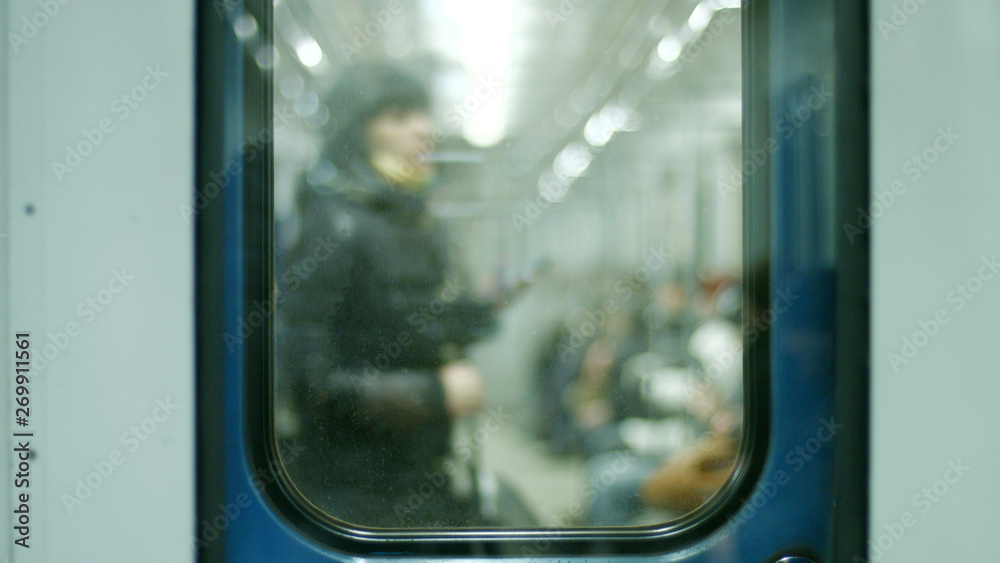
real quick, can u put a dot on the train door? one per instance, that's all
(797, 488)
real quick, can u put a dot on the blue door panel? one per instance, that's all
(789, 512)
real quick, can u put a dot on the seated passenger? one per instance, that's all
(683, 479)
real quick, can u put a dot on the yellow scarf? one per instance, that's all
(400, 172)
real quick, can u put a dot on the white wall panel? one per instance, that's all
(936, 68)
(118, 351)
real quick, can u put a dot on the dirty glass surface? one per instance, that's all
(507, 258)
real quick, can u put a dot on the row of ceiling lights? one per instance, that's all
(572, 161)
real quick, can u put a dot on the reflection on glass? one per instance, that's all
(508, 256)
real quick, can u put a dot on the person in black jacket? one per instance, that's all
(372, 325)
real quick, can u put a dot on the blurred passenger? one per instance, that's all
(685, 475)
(669, 322)
(557, 369)
(375, 326)
(717, 346)
(598, 399)
(578, 379)
(686, 480)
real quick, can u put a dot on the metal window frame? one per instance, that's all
(234, 241)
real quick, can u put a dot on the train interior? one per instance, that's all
(588, 169)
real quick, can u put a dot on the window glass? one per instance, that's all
(508, 248)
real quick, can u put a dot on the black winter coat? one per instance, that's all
(367, 316)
